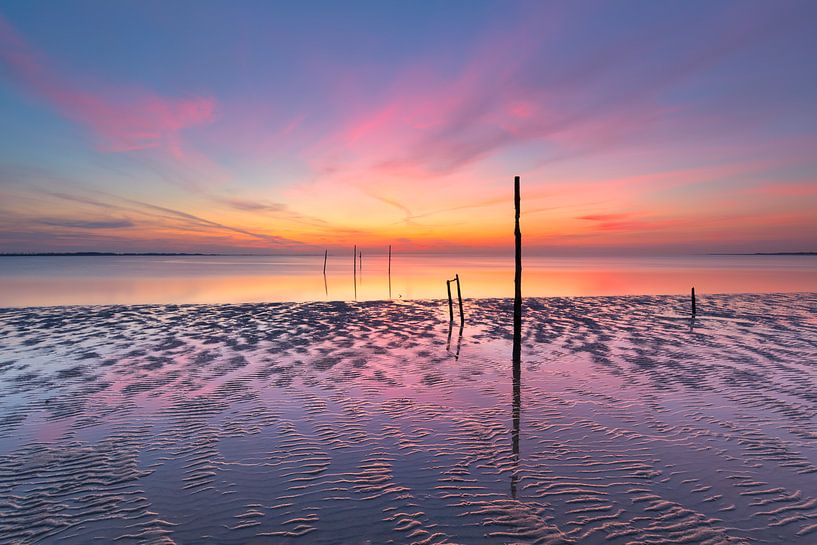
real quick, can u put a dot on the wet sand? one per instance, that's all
(357, 423)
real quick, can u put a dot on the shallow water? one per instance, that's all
(355, 423)
(105, 280)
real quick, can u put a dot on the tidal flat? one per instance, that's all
(380, 422)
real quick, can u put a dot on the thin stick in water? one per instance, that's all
(459, 296)
(354, 269)
(694, 310)
(450, 302)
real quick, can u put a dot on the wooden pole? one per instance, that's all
(459, 297)
(450, 302)
(517, 278)
(389, 271)
(517, 339)
(325, 256)
(354, 269)
(694, 310)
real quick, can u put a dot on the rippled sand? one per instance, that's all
(365, 423)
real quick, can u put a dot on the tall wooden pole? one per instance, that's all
(389, 271)
(517, 278)
(325, 256)
(517, 339)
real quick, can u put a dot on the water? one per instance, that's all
(48, 281)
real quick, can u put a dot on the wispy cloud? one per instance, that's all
(122, 119)
(255, 206)
(181, 219)
(88, 224)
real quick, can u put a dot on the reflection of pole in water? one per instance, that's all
(459, 340)
(516, 414)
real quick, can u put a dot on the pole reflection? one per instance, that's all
(516, 412)
(459, 340)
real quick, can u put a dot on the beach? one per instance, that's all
(380, 422)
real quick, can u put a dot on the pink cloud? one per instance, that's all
(128, 119)
(805, 189)
(432, 120)
(629, 222)
(604, 217)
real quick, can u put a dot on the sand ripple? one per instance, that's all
(339, 423)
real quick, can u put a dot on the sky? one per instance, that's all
(637, 127)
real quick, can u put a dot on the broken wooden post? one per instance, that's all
(450, 302)
(694, 310)
(459, 297)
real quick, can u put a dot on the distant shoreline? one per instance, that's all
(774, 253)
(111, 254)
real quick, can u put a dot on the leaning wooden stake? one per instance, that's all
(325, 256)
(694, 310)
(517, 278)
(459, 297)
(450, 302)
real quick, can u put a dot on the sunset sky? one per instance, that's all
(267, 127)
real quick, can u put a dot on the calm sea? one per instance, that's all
(48, 281)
